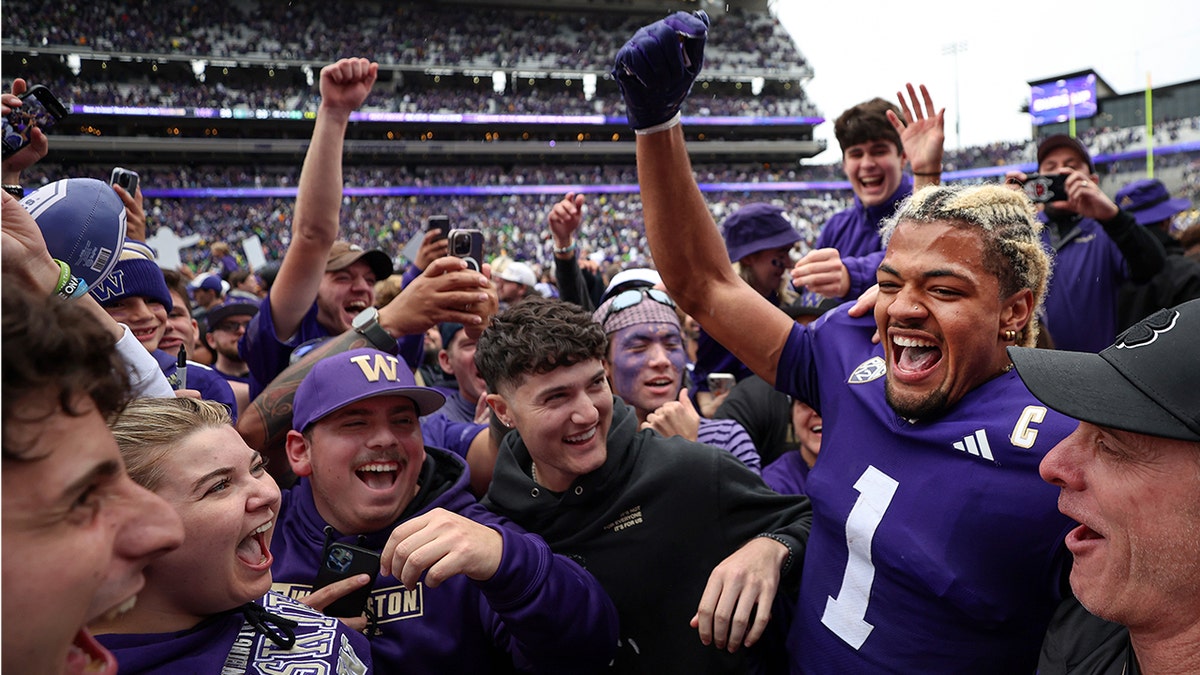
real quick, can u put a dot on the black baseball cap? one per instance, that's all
(1146, 382)
(1064, 141)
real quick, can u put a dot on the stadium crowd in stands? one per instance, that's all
(575, 581)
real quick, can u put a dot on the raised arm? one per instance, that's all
(655, 70)
(344, 87)
(922, 132)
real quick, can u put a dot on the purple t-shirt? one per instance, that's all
(788, 474)
(935, 545)
(267, 356)
(730, 435)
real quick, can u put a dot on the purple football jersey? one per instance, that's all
(936, 546)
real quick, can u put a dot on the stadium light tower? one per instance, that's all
(954, 49)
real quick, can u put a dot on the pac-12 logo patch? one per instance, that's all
(869, 370)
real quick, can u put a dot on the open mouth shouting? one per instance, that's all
(87, 656)
(379, 475)
(254, 550)
(914, 358)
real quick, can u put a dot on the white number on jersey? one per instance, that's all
(844, 615)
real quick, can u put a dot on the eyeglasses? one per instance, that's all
(632, 298)
(231, 326)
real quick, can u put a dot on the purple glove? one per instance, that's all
(658, 65)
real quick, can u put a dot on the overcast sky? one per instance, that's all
(1006, 45)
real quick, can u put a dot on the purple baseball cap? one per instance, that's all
(757, 227)
(339, 380)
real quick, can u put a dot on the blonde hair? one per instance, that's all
(149, 428)
(1009, 228)
(387, 289)
(786, 295)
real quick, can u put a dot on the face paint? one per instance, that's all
(647, 365)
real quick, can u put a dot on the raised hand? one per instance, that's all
(922, 132)
(565, 218)
(445, 291)
(657, 66)
(38, 146)
(346, 84)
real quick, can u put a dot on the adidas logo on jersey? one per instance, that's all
(869, 370)
(976, 444)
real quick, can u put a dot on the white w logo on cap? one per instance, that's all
(374, 366)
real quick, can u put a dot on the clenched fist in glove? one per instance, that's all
(657, 67)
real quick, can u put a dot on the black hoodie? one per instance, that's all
(651, 524)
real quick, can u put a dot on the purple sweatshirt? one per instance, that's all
(227, 644)
(540, 611)
(267, 355)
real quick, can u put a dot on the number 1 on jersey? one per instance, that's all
(845, 614)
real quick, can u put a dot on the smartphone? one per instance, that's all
(720, 383)
(39, 108)
(439, 223)
(1042, 188)
(468, 245)
(125, 178)
(342, 561)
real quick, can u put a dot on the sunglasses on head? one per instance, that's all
(632, 298)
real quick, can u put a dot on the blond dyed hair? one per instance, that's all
(1008, 226)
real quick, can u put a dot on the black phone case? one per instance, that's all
(342, 561)
(439, 223)
(15, 141)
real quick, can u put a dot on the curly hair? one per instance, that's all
(53, 347)
(1009, 228)
(536, 335)
(149, 428)
(867, 122)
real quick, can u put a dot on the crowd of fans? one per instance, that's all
(515, 223)
(409, 33)
(182, 90)
(657, 278)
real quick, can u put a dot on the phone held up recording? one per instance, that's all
(39, 108)
(720, 383)
(440, 224)
(468, 245)
(1044, 188)
(126, 178)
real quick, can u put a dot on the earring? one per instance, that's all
(1010, 335)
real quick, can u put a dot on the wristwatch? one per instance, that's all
(366, 323)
